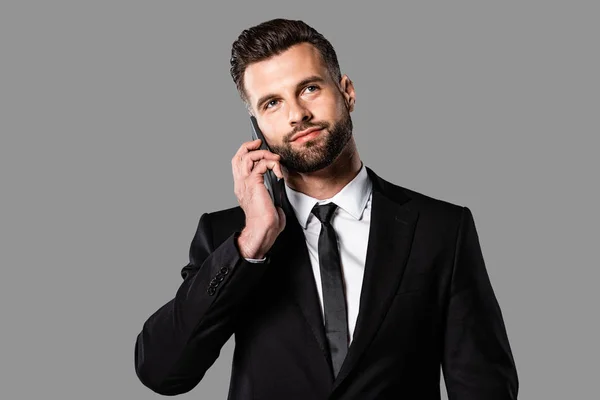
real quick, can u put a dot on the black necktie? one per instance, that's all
(336, 319)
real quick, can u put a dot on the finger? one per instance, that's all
(263, 165)
(237, 161)
(256, 155)
(249, 160)
(278, 170)
(282, 219)
(275, 167)
(248, 146)
(244, 149)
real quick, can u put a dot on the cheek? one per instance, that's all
(327, 108)
(278, 128)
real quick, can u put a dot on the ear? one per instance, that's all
(347, 90)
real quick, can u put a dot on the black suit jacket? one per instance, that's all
(426, 302)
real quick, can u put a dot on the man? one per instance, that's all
(354, 289)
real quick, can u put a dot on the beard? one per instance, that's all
(314, 155)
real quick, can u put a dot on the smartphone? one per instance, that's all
(270, 178)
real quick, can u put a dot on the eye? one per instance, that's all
(270, 104)
(313, 87)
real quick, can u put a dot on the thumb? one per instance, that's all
(282, 220)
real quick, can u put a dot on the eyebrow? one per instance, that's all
(311, 79)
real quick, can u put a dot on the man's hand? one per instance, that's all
(264, 222)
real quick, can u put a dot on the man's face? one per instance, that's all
(292, 92)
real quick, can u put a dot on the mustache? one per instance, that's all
(323, 125)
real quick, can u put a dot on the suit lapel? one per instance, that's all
(290, 250)
(390, 239)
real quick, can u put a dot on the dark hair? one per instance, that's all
(271, 38)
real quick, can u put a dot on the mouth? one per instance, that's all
(306, 135)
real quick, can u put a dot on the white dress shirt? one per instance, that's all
(351, 222)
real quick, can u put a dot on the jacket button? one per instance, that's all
(219, 278)
(213, 283)
(224, 270)
(211, 291)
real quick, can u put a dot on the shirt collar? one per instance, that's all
(352, 198)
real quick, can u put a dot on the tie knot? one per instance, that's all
(324, 212)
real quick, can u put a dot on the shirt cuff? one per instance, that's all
(256, 260)
(252, 260)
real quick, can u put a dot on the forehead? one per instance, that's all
(283, 71)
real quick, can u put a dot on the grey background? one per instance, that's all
(119, 121)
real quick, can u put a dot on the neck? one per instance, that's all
(327, 182)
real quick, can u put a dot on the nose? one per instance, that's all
(298, 114)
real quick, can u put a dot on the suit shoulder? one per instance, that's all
(438, 217)
(434, 204)
(226, 214)
(226, 221)
(427, 205)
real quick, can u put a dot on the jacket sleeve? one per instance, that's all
(183, 338)
(477, 360)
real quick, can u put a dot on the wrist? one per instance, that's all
(251, 244)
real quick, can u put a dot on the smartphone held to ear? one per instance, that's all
(270, 178)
